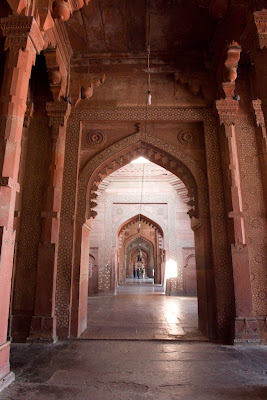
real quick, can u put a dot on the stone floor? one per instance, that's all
(150, 366)
(136, 370)
(142, 312)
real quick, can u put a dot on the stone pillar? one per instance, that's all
(43, 324)
(23, 41)
(228, 109)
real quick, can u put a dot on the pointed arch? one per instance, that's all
(136, 219)
(155, 150)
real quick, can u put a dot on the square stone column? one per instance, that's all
(43, 325)
(245, 324)
(23, 41)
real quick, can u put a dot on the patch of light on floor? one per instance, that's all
(140, 160)
(171, 311)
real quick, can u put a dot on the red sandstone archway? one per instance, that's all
(108, 161)
(143, 218)
(135, 237)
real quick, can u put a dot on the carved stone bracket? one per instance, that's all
(83, 85)
(22, 33)
(199, 83)
(227, 110)
(260, 19)
(58, 112)
(44, 11)
(256, 105)
(254, 37)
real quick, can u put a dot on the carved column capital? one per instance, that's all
(256, 105)
(227, 110)
(260, 19)
(58, 112)
(22, 32)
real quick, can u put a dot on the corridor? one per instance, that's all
(140, 311)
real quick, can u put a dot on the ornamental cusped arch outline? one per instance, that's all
(147, 215)
(133, 238)
(135, 219)
(154, 149)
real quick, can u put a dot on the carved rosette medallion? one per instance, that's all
(185, 137)
(95, 138)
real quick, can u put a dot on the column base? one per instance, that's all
(20, 327)
(43, 330)
(6, 381)
(246, 330)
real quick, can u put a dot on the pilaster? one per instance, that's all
(23, 40)
(228, 110)
(43, 325)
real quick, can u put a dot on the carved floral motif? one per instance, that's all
(95, 137)
(185, 137)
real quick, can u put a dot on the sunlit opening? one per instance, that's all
(171, 269)
(140, 160)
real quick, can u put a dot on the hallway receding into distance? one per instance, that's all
(133, 199)
(140, 209)
(140, 311)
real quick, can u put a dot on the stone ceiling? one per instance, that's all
(120, 26)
